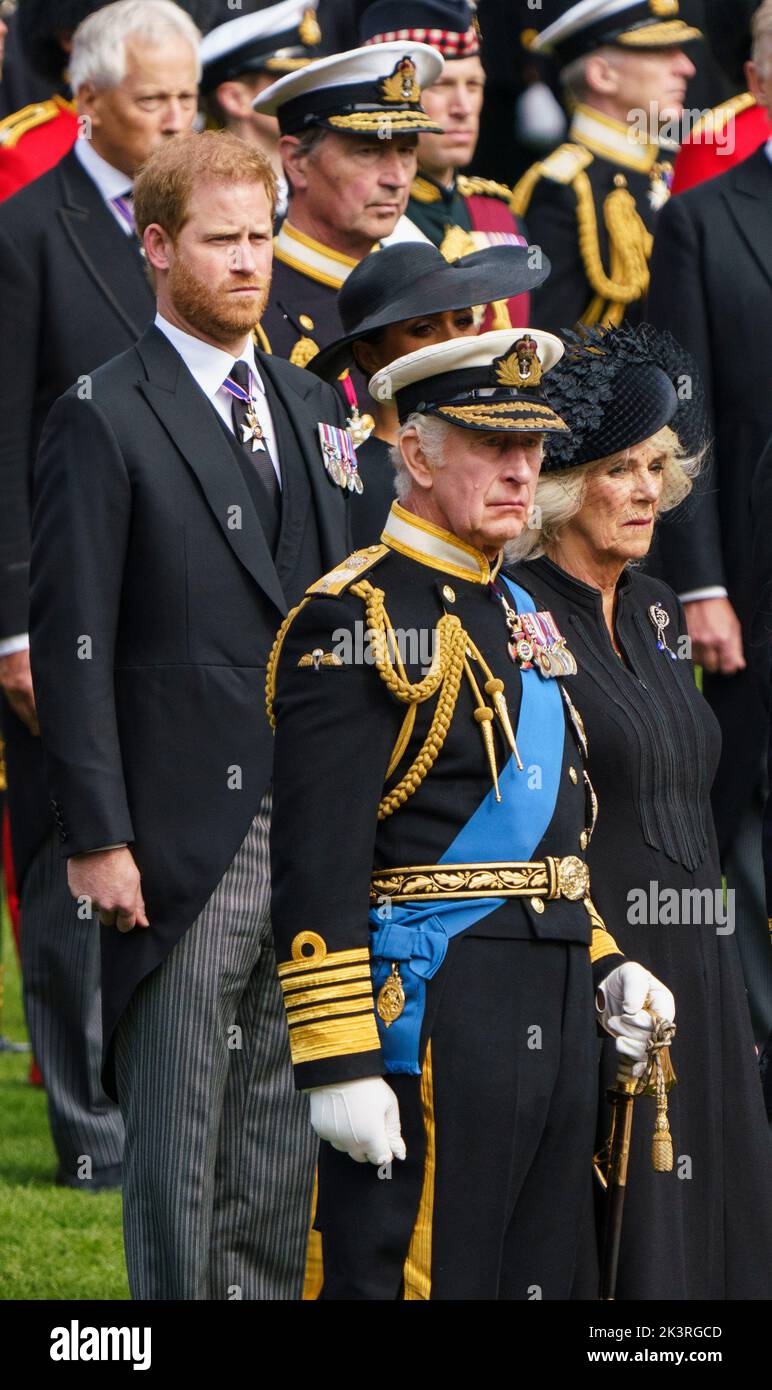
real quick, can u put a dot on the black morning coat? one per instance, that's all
(711, 285)
(147, 548)
(73, 293)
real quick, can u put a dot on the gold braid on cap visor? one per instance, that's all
(520, 415)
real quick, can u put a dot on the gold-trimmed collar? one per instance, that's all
(312, 258)
(440, 550)
(612, 139)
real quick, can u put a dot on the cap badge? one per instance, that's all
(522, 367)
(663, 8)
(310, 33)
(402, 84)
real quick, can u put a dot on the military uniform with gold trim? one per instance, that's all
(33, 140)
(592, 204)
(470, 215)
(302, 313)
(480, 935)
(372, 94)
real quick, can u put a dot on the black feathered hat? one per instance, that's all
(616, 387)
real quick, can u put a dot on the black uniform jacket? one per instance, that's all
(154, 604)
(337, 725)
(592, 205)
(302, 316)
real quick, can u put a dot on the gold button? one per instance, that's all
(306, 322)
(448, 594)
(537, 904)
(372, 549)
(584, 839)
(572, 775)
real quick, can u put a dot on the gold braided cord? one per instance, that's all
(444, 675)
(630, 244)
(273, 661)
(523, 189)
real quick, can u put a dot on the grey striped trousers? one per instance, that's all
(60, 975)
(219, 1156)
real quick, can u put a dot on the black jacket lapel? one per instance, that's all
(112, 259)
(750, 204)
(295, 488)
(328, 499)
(193, 427)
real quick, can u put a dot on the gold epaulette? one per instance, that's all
(720, 116)
(29, 118)
(334, 582)
(423, 191)
(489, 188)
(353, 567)
(562, 166)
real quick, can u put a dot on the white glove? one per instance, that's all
(620, 1000)
(360, 1118)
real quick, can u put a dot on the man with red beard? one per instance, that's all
(74, 292)
(182, 509)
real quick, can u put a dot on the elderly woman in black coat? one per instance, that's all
(703, 1230)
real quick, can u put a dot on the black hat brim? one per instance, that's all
(497, 272)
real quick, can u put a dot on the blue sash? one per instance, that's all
(417, 934)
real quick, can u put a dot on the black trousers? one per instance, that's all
(493, 1200)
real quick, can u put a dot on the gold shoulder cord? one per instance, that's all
(273, 661)
(631, 246)
(523, 190)
(452, 656)
(444, 675)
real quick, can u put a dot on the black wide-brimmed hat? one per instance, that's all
(616, 387)
(413, 278)
(492, 382)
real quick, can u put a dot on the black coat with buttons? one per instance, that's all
(336, 729)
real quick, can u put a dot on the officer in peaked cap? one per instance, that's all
(348, 127)
(592, 203)
(406, 297)
(244, 56)
(448, 1041)
(458, 213)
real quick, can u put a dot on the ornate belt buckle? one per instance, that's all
(573, 878)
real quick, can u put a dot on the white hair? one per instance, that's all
(573, 77)
(99, 43)
(432, 434)
(761, 29)
(560, 496)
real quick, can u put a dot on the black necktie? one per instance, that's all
(244, 430)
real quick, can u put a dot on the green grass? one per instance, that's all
(54, 1243)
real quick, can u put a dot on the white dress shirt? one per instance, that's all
(209, 366)
(110, 182)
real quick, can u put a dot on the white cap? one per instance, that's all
(491, 382)
(357, 91)
(281, 38)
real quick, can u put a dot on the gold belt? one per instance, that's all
(541, 878)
